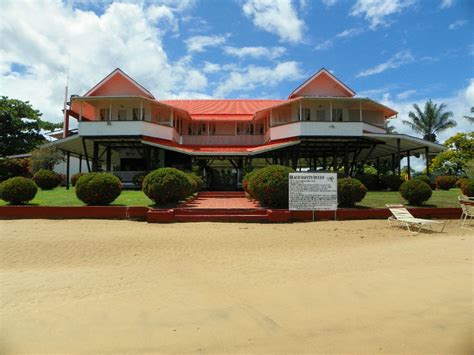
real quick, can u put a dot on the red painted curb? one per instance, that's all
(169, 215)
(73, 212)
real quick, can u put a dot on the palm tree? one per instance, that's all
(470, 118)
(433, 120)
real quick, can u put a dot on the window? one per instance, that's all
(104, 114)
(321, 115)
(122, 115)
(337, 114)
(136, 114)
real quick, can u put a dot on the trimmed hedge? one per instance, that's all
(246, 182)
(370, 181)
(18, 190)
(426, 179)
(415, 191)
(98, 189)
(47, 179)
(269, 186)
(76, 177)
(137, 179)
(445, 182)
(14, 167)
(467, 187)
(196, 182)
(166, 185)
(350, 191)
(393, 182)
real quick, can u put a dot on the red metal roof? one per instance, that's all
(214, 110)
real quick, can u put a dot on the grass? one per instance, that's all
(62, 197)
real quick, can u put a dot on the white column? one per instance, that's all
(110, 111)
(171, 118)
(80, 112)
(271, 118)
(141, 111)
(330, 110)
(300, 118)
(360, 110)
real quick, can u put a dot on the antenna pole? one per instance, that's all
(66, 115)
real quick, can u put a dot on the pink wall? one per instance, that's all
(323, 85)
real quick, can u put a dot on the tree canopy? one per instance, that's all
(457, 157)
(431, 121)
(21, 126)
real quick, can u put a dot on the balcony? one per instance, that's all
(125, 128)
(212, 140)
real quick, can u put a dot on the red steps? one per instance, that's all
(220, 215)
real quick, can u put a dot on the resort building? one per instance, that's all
(322, 125)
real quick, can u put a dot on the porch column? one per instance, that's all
(95, 157)
(68, 163)
(271, 118)
(110, 111)
(427, 154)
(360, 110)
(108, 159)
(330, 110)
(141, 111)
(398, 157)
(334, 160)
(408, 165)
(80, 112)
(171, 118)
(300, 118)
(80, 163)
(393, 164)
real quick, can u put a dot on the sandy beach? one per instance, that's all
(96, 286)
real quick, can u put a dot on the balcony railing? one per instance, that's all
(222, 140)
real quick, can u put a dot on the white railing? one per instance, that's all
(222, 140)
(125, 128)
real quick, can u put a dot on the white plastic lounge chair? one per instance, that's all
(402, 216)
(467, 206)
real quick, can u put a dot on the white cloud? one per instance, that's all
(446, 4)
(211, 67)
(377, 11)
(276, 16)
(41, 38)
(400, 58)
(253, 77)
(329, 2)
(324, 45)
(255, 52)
(347, 33)
(162, 14)
(405, 94)
(456, 24)
(459, 103)
(200, 43)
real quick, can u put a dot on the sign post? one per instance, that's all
(313, 192)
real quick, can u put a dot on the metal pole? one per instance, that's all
(399, 157)
(427, 153)
(80, 163)
(408, 164)
(68, 161)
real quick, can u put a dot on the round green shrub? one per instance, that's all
(467, 187)
(137, 179)
(393, 182)
(196, 182)
(415, 191)
(18, 190)
(98, 189)
(47, 179)
(76, 177)
(166, 185)
(350, 191)
(426, 179)
(370, 181)
(460, 182)
(246, 182)
(445, 182)
(269, 186)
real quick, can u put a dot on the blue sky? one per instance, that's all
(399, 52)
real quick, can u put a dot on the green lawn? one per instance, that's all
(62, 197)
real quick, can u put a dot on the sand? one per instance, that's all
(94, 286)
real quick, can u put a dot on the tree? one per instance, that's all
(433, 120)
(20, 127)
(470, 118)
(45, 158)
(458, 156)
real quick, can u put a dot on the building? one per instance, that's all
(322, 125)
